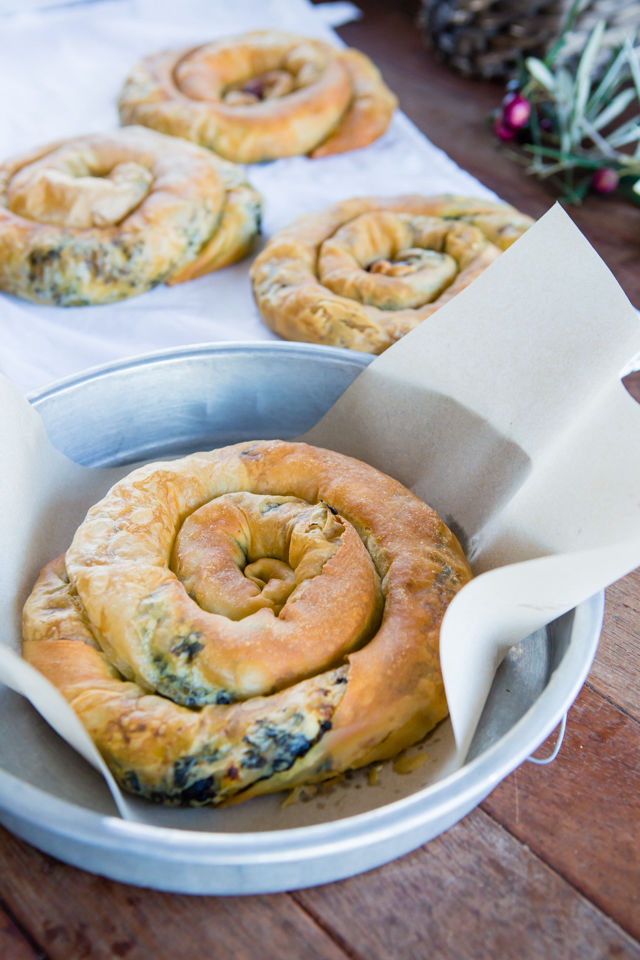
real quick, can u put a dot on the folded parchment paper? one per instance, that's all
(504, 411)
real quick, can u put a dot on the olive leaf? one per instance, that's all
(585, 116)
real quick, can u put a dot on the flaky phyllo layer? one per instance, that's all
(252, 618)
(261, 95)
(364, 272)
(103, 217)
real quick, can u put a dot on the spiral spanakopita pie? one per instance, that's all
(364, 272)
(248, 619)
(261, 95)
(102, 217)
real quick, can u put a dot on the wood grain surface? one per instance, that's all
(475, 891)
(548, 865)
(13, 943)
(588, 827)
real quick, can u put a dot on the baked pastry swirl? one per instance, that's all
(261, 95)
(102, 217)
(244, 620)
(364, 272)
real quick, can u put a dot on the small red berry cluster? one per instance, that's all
(514, 118)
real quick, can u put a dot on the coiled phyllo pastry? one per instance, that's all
(261, 95)
(244, 620)
(364, 272)
(102, 217)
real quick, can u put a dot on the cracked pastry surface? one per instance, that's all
(364, 272)
(99, 218)
(248, 619)
(261, 95)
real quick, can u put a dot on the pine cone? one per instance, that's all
(488, 38)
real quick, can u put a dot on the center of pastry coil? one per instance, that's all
(395, 261)
(74, 193)
(259, 592)
(247, 74)
(267, 86)
(244, 552)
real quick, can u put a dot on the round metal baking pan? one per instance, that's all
(173, 402)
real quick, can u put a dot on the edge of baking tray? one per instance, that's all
(195, 862)
(188, 861)
(170, 354)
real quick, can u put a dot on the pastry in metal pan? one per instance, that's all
(244, 620)
(98, 218)
(260, 96)
(364, 272)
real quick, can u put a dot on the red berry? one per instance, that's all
(605, 180)
(516, 111)
(501, 131)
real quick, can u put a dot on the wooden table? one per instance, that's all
(548, 865)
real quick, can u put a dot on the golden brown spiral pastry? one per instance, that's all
(244, 620)
(364, 272)
(260, 96)
(102, 217)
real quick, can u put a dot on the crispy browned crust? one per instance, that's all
(340, 105)
(164, 686)
(98, 218)
(312, 280)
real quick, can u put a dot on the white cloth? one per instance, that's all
(61, 71)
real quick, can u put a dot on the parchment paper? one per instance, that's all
(507, 414)
(504, 412)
